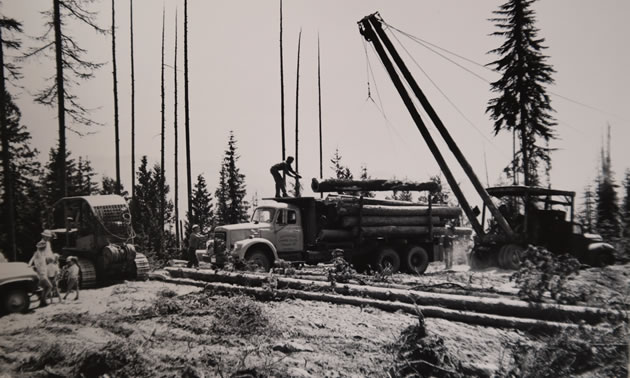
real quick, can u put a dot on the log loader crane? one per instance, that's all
(503, 244)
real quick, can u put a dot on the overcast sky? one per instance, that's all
(235, 85)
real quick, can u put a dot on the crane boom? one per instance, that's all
(371, 28)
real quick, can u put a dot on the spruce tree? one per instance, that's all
(586, 214)
(608, 223)
(25, 171)
(522, 105)
(341, 172)
(153, 239)
(231, 204)
(84, 180)
(202, 209)
(8, 26)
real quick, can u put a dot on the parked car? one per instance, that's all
(18, 282)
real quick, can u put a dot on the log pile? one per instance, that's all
(350, 217)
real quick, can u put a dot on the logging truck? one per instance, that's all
(402, 236)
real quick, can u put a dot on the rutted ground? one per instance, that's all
(160, 329)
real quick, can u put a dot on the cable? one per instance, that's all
(424, 43)
(447, 98)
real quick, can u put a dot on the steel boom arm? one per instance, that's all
(371, 29)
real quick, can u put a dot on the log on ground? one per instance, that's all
(496, 306)
(473, 318)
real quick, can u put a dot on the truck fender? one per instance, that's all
(246, 244)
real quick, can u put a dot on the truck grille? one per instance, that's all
(219, 242)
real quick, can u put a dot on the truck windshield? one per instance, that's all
(263, 215)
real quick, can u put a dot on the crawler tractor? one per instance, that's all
(97, 230)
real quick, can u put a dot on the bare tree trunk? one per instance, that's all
(61, 110)
(282, 89)
(176, 145)
(297, 101)
(162, 178)
(116, 130)
(9, 201)
(319, 96)
(133, 108)
(187, 111)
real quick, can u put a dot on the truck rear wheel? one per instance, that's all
(416, 260)
(259, 258)
(387, 256)
(510, 256)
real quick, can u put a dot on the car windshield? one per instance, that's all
(263, 215)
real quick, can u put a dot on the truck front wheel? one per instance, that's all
(387, 256)
(259, 258)
(416, 260)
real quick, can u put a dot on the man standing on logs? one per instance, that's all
(284, 167)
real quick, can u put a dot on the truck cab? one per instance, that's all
(276, 231)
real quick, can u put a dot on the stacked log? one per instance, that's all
(383, 218)
(371, 185)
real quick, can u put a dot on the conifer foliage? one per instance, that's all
(202, 209)
(152, 239)
(25, 172)
(608, 223)
(230, 194)
(522, 104)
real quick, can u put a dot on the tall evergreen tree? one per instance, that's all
(586, 214)
(151, 236)
(84, 180)
(522, 105)
(203, 212)
(71, 66)
(25, 171)
(52, 189)
(231, 204)
(607, 203)
(8, 26)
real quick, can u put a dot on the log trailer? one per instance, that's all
(534, 220)
(372, 233)
(97, 230)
